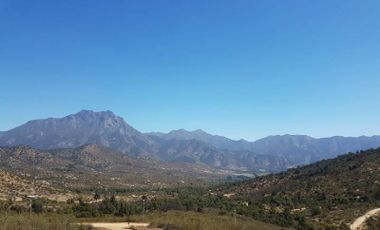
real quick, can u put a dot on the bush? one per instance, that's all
(37, 206)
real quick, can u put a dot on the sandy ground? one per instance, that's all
(358, 224)
(120, 226)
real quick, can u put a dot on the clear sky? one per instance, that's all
(239, 68)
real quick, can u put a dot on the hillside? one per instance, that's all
(332, 192)
(93, 166)
(17, 188)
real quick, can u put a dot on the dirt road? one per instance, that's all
(358, 224)
(118, 226)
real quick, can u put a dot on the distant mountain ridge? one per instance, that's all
(297, 149)
(272, 153)
(200, 135)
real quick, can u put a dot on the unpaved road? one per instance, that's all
(358, 224)
(119, 226)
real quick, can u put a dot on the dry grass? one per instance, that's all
(167, 220)
(203, 221)
(34, 221)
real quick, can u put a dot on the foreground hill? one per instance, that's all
(329, 192)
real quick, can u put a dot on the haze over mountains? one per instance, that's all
(271, 153)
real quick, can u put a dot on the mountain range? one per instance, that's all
(273, 153)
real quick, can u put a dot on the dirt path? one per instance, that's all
(358, 224)
(118, 226)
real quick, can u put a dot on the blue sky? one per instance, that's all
(243, 69)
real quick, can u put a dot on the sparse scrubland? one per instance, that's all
(326, 194)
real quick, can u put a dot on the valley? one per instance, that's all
(330, 194)
(189, 115)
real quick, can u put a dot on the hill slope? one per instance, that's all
(15, 187)
(332, 191)
(96, 166)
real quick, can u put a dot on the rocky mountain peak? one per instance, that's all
(84, 127)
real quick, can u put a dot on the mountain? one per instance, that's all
(109, 130)
(296, 149)
(198, 152)
(302, 149)
(334, 191)
(268, 154)
(216, 141)
(85, 127)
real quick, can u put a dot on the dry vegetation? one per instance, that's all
(174, 220)
(15, 187)
(93, 166)
(329, 193)
(26, 221)
(326, 195)
(373, 223)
